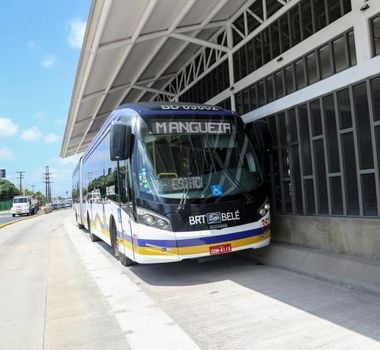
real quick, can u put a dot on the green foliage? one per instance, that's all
(7, 189)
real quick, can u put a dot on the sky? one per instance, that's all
(40, 48)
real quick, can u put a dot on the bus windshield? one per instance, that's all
(196, 159)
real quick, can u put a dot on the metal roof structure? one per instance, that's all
(139, 50)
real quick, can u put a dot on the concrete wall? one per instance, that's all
(352, 236)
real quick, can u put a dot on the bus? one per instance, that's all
(164, 182)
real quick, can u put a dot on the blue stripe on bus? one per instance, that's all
(201, 240)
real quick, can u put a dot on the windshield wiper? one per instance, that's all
(230, 175)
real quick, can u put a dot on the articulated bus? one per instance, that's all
(164, 182)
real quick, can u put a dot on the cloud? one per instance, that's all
(77, 28)
(72, 160)
(6, 154)
(49, 61)
(51, 138)
(31, 134)
(7, 127)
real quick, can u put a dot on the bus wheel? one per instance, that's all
(125, 261)
(93, 238)
(113, 234)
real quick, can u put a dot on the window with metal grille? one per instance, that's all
(332, 57)
(326, 154)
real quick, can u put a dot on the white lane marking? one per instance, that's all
(145, 324)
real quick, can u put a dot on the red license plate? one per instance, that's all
(220, 249)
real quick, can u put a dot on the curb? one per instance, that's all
(340, 269)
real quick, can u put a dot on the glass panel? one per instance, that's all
(296, 176)
(239, 103)
(279, 84)
(237, 66)
(288, 196)
(275, 39)
(261, 93)
(340, 59)
(307, 23)
(300, 74)
(285, 38)
(316, 122)
(320, 14)
(305, 140)
(377, 136)
(309, 196)
(292, 126)
(375, 90)
(266, 45)
(253, 96)
(346, 6)
(243, 62)
(336, 196)
(289, 80)
(331, 134)
(376, 35)
(325, 61)
(246, 106)
(369, 195)
(320, 176)
(363, 126)
(351, 48)
(349, 168)
(269, 87)
(333, 9)
(344, 107)
(250, 57)
(312, 69)
(258, 54)
(295, 25)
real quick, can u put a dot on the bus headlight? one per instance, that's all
(264, 208)
(149, 218)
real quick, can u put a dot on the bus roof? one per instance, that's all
(149, 108)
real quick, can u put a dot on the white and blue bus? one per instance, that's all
(163, 182)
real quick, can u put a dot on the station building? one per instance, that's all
(310, 68)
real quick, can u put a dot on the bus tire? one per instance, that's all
(124, 260)
(113, 236)
(80, 226)
(93, 238)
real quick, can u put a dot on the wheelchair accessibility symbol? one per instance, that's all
(216, 190)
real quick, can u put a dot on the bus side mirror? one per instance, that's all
(120, 141)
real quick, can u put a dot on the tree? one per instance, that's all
(7, 189)
(40, 197)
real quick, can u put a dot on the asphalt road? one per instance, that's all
(60, 291)
(6, 217)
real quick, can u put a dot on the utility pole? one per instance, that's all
(33, 187)
(20, 176)
(47, 181)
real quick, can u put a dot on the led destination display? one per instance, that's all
(175, 184)
(191, 127)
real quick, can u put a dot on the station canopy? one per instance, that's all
(131, 51)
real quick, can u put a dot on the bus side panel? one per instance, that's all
(152, 245)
